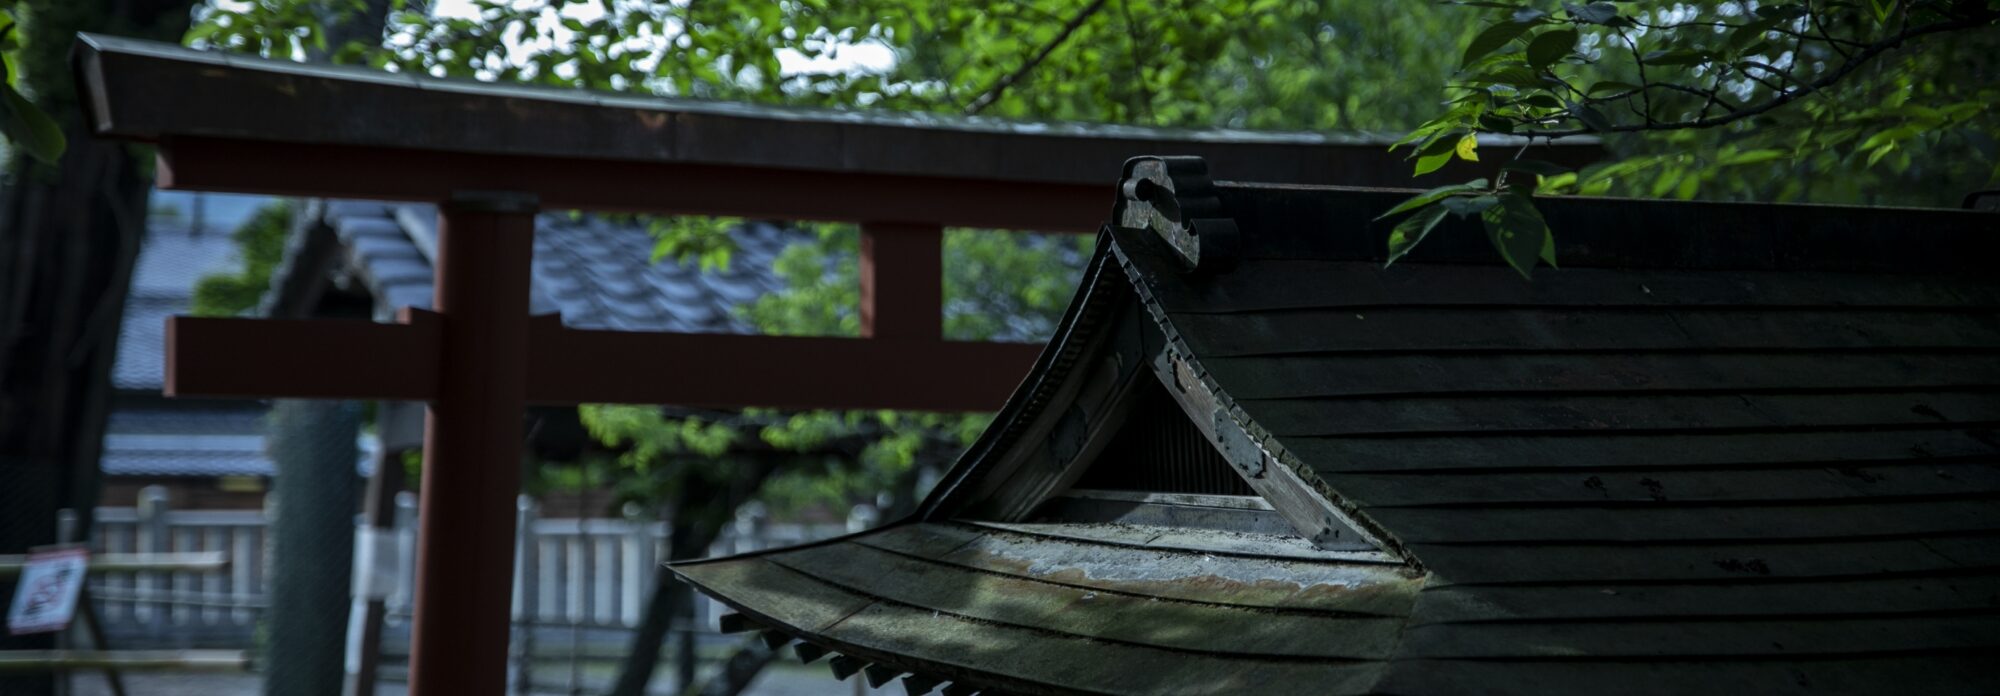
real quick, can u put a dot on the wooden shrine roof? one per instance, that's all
(1737, 448)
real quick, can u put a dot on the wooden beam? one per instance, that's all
(176, 660)
(147, 91)
(902, 281)
(190, 561)
(303, 358)
(241, 166)
(252, 358)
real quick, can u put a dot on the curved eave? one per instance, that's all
(1008, 610)
(1095, 298)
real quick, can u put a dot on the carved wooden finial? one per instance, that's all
(1173, 197)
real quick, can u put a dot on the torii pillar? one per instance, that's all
(472, 444)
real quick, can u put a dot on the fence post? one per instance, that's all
(527, 592)
(406, 552)
(153, 538)
(638, 568)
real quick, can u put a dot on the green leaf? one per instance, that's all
(28, 127)
(1593, 13)
(1513, 75)
(1888, 136)
(1423, 131)
(1752, 157)
(1557, 182)
(1433, 195)
(1411, 231)
(1518, 231)
(1549, 47)
(1529, 14)
(1883, 10)
(1430, 163)
(1466, 206)
(1590, 117)
(1493, 38)
(1543, 101)
(1881, 152)
(1608, 87)
(1549, 249)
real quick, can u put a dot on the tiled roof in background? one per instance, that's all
(171, 260)
(596, 274)
(225, 441)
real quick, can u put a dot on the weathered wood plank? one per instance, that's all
(1427, 329)
(1385, 590)
(1184, 540)
(1024, 661)
(1682, 639)
(1777, 676)
(1589, 567)
(1135, 618)
(1597, 453)
(1950, 593)
(1915, 479)
(1820, 520)
(1300, 222)
(1586, 412)
(1461, 373)
(1278, 284)
(771, 593)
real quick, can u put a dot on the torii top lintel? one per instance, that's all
(260, 126)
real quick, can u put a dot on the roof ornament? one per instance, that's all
(1173, 197)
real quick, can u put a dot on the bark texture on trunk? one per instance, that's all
(69, 235)
(312, 546)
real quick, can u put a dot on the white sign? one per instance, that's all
(45, 598)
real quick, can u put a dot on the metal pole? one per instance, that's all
(472, 446)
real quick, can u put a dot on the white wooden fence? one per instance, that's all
(590, 573)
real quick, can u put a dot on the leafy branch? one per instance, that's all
(24, 124)
(1543, 76)
(992, 92)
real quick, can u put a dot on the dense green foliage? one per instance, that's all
(1879, 102)
(260, 246)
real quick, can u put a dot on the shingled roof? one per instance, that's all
(1728, 447)
(596, 273)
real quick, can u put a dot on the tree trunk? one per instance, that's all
(312, 549)
(700, 511)
(737, 671)
(68, 238)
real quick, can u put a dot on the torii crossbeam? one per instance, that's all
(491, 156)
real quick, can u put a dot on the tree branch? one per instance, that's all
(1788, 96)
(992, 92)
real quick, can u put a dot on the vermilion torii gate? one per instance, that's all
(492, 156)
